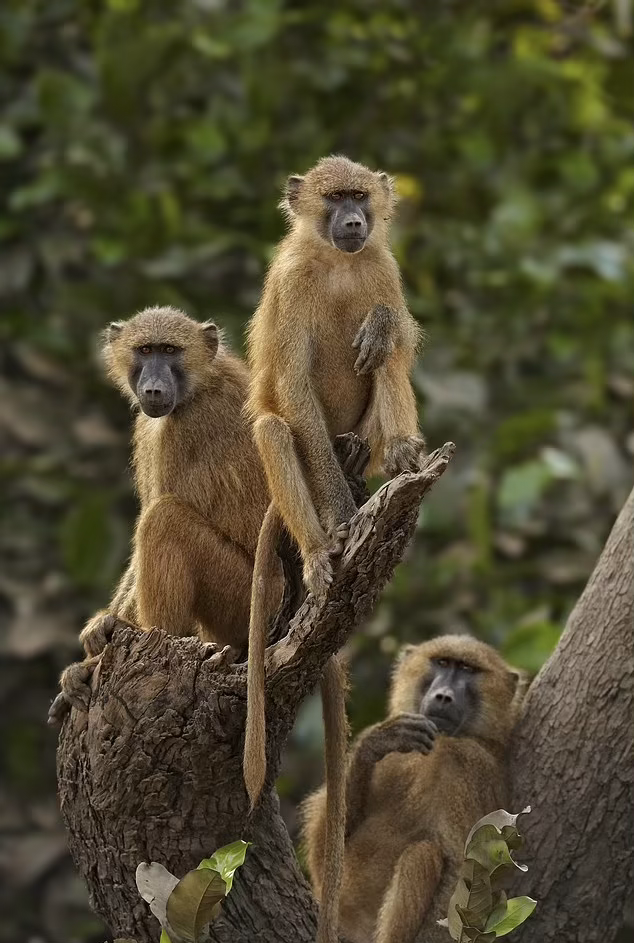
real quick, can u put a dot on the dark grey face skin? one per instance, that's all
(349, 219)
(450, 695)
(158, 378)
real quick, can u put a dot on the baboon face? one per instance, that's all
(157, 377)
(463, 685)
(348, 221)
(343, 201)
(158, 357)
(449, 695)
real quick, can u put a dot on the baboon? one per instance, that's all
(201, 486)
(416, 783)
(331, 347)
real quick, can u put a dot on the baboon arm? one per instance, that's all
(358, 781)
(300, 407)
(392, 412)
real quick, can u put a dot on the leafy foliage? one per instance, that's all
(185, 907)
(142, 150)
(479, 910)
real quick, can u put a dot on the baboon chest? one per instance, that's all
(343, 395)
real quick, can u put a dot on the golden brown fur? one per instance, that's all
(202, 492)
(304, 388)
(409, 813)
(319, 306)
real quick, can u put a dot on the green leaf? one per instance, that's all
(488, 848)
(518, 909)
(500, 819)
(227, 860)
(498, 912)
(472, 896)
(164, 937)
(194, 903)
(473, 935)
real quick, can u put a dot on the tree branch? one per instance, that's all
(573, 760)
(154, 770)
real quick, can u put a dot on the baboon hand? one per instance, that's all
(353, 453)
(76, 691)
(374, 340)
(97, 633)
(405, 733)
(404, 455)
(218, 656)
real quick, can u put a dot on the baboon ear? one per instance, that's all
(404, 651)
(386, 182)
(210, 335)
(519, 679)
(112, 331)
(293, 189)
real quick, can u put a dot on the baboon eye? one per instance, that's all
(335, 196)
(146, 349)
(468, 668)
(442, 662)
(359, 195)
(169, 349)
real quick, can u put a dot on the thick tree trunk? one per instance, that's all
(153, 772)
(573, 761)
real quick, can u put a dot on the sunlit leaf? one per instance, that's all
(227, 860)
(499, 819)
(194, 903)
(518, 909)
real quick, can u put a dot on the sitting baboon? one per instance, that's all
(201, 486)
(416, 784)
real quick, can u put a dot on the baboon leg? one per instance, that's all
(291, 495)
(410, 893)
(188, 573)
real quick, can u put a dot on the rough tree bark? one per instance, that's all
(154, 770)
(573, 761)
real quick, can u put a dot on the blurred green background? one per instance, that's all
(143, 146)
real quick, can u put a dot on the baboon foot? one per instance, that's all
(76, 690)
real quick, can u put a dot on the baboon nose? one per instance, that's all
(353, 222)
(443, 697)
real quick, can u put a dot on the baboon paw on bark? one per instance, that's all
(220, 657)
(76, 689)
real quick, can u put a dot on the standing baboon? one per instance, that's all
(416, 784)
(200, 482)
(331, 347)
